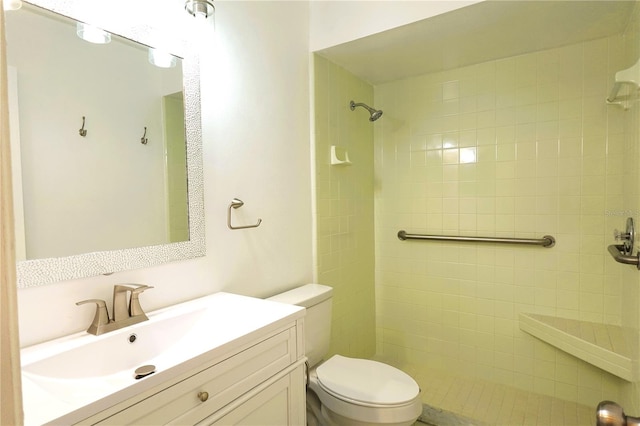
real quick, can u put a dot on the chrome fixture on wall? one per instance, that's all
(608, 413)
(546, 241)
(199, 7)
(375, 113)
(623, 253)
(627, 237)
(237, 203)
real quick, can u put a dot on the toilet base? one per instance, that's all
(314, 410)
(320, 415)
(334, 419)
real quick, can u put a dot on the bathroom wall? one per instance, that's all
(344, 206)
(255, 114)
(256, 147)
(255, 109)
(523, 146)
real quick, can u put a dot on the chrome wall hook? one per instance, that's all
(82, 131)
(143, 139)
(237, 203)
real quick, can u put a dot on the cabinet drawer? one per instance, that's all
(279, 401)
(222, 382)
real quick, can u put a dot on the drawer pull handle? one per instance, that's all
(203, 396)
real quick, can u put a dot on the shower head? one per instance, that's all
(375, 113)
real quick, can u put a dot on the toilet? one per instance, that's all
(348, 391)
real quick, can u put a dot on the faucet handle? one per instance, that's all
(123, 308)
(131, 287)
(134, 305)
(101, 317)
(139, 288)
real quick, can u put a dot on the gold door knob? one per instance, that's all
(203, 396)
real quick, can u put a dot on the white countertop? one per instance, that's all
(224, 323)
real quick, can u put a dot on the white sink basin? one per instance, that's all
(82, 374)
(85, 356)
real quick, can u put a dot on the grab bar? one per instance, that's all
(618, 255)
(547, 241)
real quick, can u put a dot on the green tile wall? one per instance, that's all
(519, 147)
(344, 207)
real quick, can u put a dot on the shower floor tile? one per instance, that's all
(458, 401)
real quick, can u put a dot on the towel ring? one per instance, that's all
(237, 203)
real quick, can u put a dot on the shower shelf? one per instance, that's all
(629, 77)
(339, 156)
(608, 347)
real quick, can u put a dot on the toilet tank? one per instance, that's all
(317, 323)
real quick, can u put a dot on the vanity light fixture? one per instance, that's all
(161, 59)
(198, 8)
(92, 34)
(12, 4)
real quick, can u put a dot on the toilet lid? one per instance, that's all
(366, 381)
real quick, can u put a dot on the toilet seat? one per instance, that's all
(366, 382)
(346, 387)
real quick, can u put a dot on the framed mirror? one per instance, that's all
(106, 142)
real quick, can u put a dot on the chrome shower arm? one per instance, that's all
(375, 113)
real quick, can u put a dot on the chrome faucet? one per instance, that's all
(125, 312)
(124, 308)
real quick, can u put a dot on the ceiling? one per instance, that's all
(481, 32)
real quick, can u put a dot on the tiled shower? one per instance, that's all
(522, 146)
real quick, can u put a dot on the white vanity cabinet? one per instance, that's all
(222, 359)
(262, 383)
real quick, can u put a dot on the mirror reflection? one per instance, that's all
(98, 138)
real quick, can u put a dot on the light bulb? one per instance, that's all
(92, 34)
(12, 4)
(200, 7)
(161, 58)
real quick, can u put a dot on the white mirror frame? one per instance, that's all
(36, 272)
